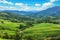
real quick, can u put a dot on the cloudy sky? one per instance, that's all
(28, 5)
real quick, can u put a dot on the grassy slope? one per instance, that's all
(8, 27)
(37, 31)
(42, 30)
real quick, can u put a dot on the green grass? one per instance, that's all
(42, 31)
(8, 27)
(44, 27)
(5, 39)
(36, 32)
(2, 39)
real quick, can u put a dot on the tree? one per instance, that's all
(6, 36)
(29, 24)
(48, 19)
(17, 37)
(21, 27)
(2, 22)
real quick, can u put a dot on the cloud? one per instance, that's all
(8, 8)
(15, 8)
(20, 4)
(45, 5)
(26, 7)
(53, 0)
(23, 6)
(48, 5)
(37, 5)
(2, 0)
(6, 2)
(3, 7)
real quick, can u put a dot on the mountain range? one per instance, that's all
(54, 11)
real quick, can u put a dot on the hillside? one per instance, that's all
(25, 13)
(54, 11)
(42, 31)
(14, 17)
(7, 28)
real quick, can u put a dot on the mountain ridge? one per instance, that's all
(54, 11)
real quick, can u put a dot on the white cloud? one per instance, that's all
(53, 0)
(47, 4)
(14, 8)
(23, 6)
(37, 5)
(2, 0)
(26, 7)
(8, 8)
(43, 7)
(20, 4)
(3, 7)
(6, 2)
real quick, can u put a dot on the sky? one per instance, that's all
(28, 5)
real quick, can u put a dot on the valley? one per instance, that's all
(42, 25)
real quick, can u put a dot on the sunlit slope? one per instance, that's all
(8, 27)
(42, 30)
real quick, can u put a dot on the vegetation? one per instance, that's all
(17, 27)
(42, 31)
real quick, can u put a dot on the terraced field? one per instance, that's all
(42, 31)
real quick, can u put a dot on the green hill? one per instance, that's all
(8, 27)
(42, 31)
(14, 17)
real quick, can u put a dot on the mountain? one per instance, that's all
(25, 13)
(54, 11)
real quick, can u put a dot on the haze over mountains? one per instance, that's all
(54, 11)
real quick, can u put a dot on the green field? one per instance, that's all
(42, 31)
(7, 27)
(37, 32)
